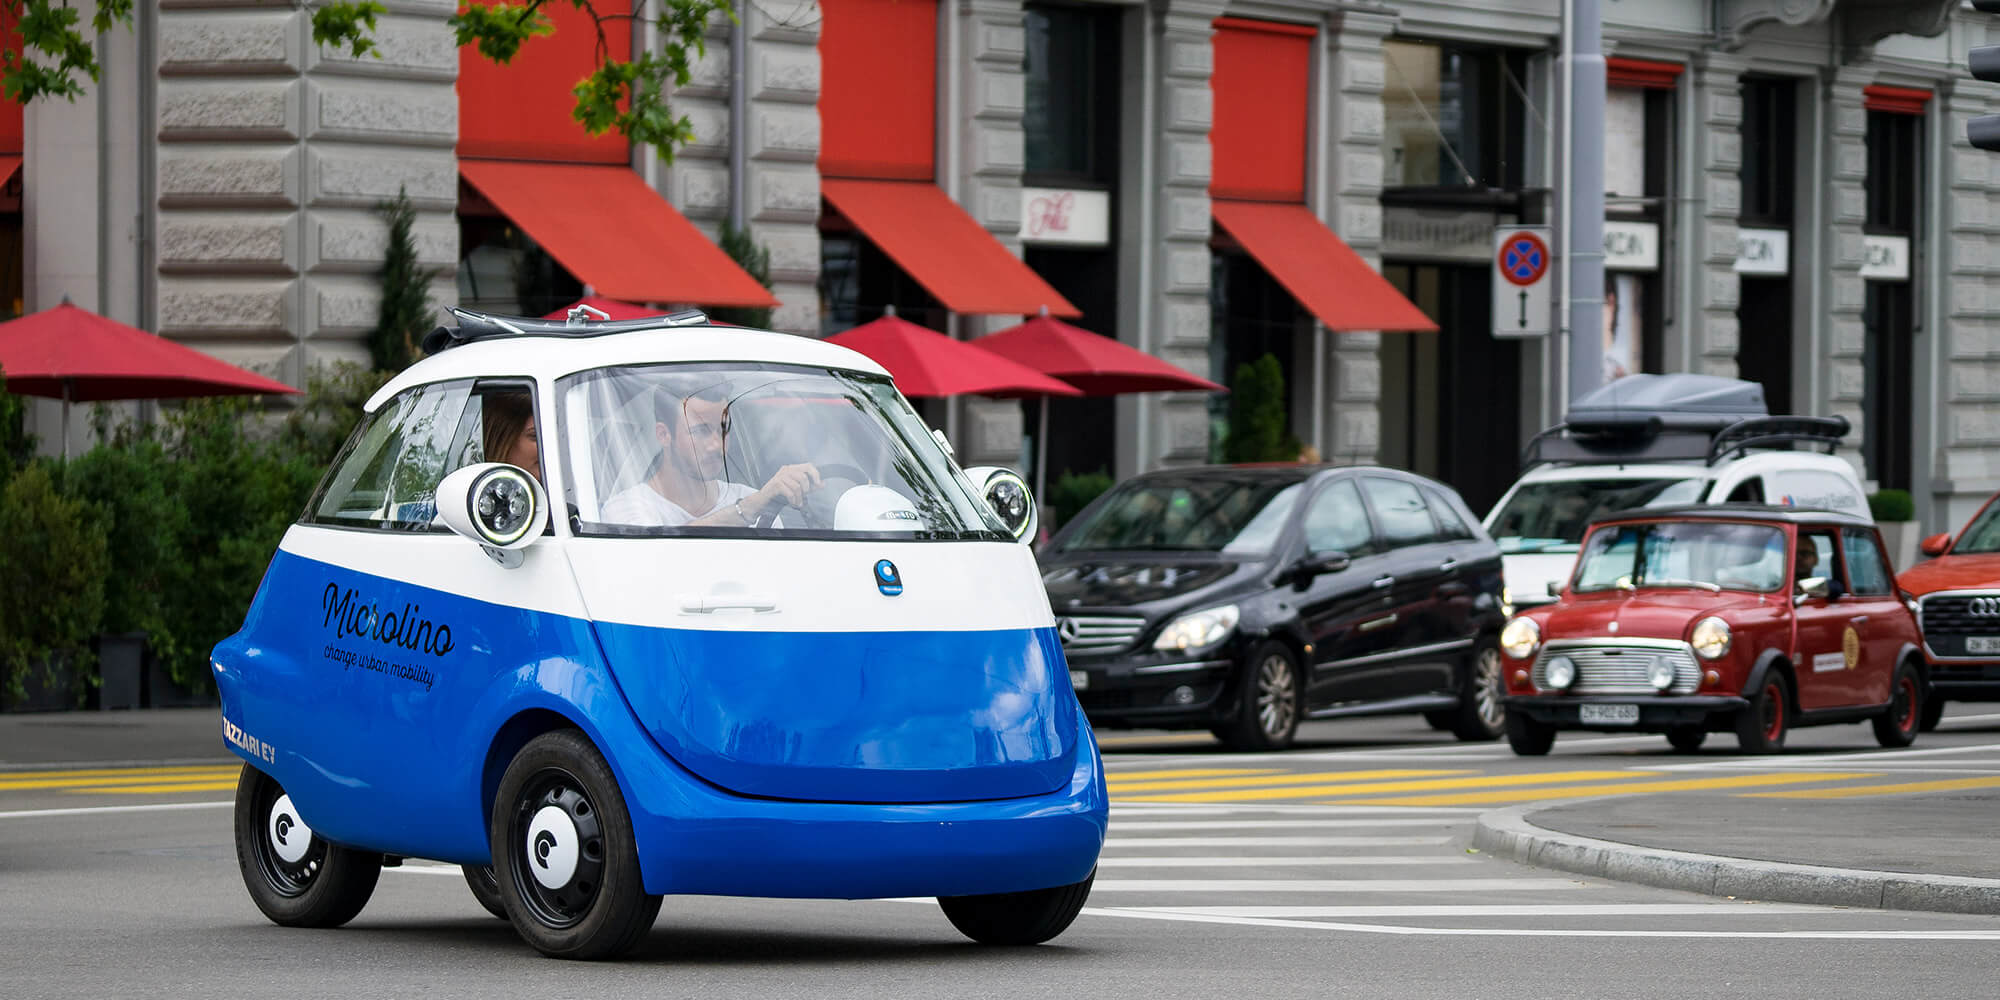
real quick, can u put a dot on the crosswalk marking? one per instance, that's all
(187, 786)
(1115, 777)
(1619, 788)
(1111, 842)
(1318, 861)
(1477, 910)
(1373, 787)
(1855, 791)
(1136, 783)
(1127, 826)
(1337, 885)
(30, 781)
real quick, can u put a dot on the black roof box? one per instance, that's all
(1669, 402)
(1675, 418)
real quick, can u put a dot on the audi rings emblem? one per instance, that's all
(1983, 607)
(1067, 630)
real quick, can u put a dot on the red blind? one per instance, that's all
(878, 89)
(1895, 100)
(1263, 75)
(1646, 73)
(523, 110)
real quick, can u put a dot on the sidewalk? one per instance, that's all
(144, 736)
(1907, 852)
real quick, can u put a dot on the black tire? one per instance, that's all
(297, 882)
(1480, 715)
(1933, 712)
(1267, 704)
(1017, 918)
(1528, 737)
(1762, 725)
(1899, 724)
(1687, 739)
(559, 810)
(485, 887)
(1442, 720)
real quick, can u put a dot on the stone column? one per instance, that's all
(1966, 463)
(1353, 165)
(986, 162)
(1715, 183)
(1845, 209)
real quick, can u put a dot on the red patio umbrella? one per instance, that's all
(1098, 365)
(611, 308)
(75, 355)
(925, 362)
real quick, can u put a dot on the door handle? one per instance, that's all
(1452, 589)
(1382, 582)
(1375, 623)
(705, 604)
(1858, 620)
(1449, 565)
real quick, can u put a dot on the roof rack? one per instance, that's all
(1773, 432)
(473, 326)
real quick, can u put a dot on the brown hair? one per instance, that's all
(506, 415)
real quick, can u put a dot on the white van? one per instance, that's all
(1656, 441)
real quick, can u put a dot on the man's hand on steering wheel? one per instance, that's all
(789, 485)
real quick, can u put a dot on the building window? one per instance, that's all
(1453, 116)
(1770, 176)
(1893, 143)
(1251, 315)
(858, 283)
(503, 270)
(1071, 115)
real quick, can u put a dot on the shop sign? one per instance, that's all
(1063, 217)
(1631, 246)
(1885, 258)
(1763, 251)
(1437, 234)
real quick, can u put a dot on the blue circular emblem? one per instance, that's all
(887, 580)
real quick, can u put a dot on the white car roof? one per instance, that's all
(552, 357)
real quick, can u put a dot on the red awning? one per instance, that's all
(1327, 277)
(936, 243)
(614, 233)
(10, 164)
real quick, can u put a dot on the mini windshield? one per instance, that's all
(1236, 516)
(760, 448)
(1551, 516)
(1712, 555)
(1982, 535)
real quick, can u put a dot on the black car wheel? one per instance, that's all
(485, 887)
(1267, 706)
(1898, 726)
(1481, 715)
(1528, 737)
(1017, 918)
(1687, 739)
(563, 852)
(293, 874)
(1933, 712)
(1761, 726)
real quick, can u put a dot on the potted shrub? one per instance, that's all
(127, 480)
(53, 557)
(1895, 512)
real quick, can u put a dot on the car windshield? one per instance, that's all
(1550, 516)
(1234, 516)
(1982, 535)
(675, 449)
(1712, 555)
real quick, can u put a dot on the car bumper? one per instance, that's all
(1966, 682)
(1656, 714)
(1159, 692)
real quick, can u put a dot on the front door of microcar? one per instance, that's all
(799, 596)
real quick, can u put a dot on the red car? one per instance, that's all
(1719, 618)
(1957, 597)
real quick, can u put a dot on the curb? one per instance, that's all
(1508, 833)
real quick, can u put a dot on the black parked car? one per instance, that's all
(1242, 599)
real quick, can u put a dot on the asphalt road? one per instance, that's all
(1342, 868)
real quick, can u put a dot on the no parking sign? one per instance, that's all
(1521, 262)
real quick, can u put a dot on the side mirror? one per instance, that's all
(1935, 545)
(1009, 497)
(1813, 588)
(1555, 588)
(1317, 564)
(500, 506)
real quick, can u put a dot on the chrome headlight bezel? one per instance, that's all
(1710, 638)
(1521, 638)
(1198, 630)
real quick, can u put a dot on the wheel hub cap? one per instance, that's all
(290, 836)
(552, 847)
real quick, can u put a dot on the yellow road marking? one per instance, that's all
(192, 786)
(1295, 778)
(1947, 785)
(1192, 772)
(9, 784)
(1369, 788)
(1619, 788)
(113, 772)
(1141, 741)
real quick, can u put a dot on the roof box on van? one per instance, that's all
(1708, 402)
(1675, 418)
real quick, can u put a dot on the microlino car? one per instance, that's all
(609, 611)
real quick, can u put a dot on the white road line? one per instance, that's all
(1958, 721)
(1402, 931)
(409, 868)
(1236, 861)
(1497, 910)
(1273, 841)
(1170, 885)
(102, 810)
(1240, 809)
(1862, 759)
(1127, 825)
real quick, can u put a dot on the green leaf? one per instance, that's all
(349, 23)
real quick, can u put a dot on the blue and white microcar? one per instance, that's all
(606, 611)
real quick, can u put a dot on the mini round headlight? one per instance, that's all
(1660, 674)
(1560, 673)
(1520, 638)
(1710, 638)
(503, 505)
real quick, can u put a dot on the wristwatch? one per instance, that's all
(739, 512)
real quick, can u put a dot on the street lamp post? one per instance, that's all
(1583, 185)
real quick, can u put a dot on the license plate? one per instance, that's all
(1079, 679)
(1609, 715)
(1983, 644)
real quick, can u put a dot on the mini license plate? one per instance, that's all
(1983, 644)
(1609, 715)
(1079, 679)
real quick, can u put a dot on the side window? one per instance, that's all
(388, 474)
(1451, 527)
(1750, 490)
(1400, 509)
(1867, 571)
(1815, 557)
(1336, 521)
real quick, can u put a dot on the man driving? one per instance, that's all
(686, 485)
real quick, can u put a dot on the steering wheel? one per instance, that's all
(819, 516)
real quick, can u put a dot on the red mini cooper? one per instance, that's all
(1720, 618)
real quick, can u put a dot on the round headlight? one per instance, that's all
(1520, 638)
(1009, 497)
(503, 505)
(1560, 673)
(1710, 638)
(1660, 674)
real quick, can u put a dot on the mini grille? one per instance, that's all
(1621, 669)
(1097, 634)
(1955, 615)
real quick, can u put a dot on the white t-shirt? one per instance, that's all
(642, 505)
